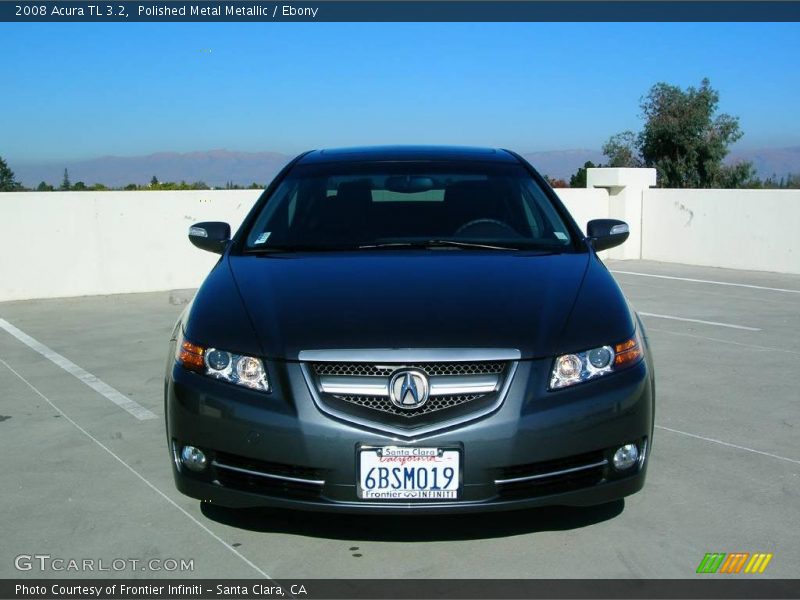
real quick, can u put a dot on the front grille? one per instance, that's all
(360, 391)
(552, 476)
(342, 369)
(383, 404)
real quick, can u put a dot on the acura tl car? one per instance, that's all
(409, 329)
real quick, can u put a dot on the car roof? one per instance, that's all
(408, 153)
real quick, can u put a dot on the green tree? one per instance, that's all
(79, 186)
(44, 187)
(578, 180)
(65, 184)
(684, 139)
(8, 181)
(622, 150)
(154, 183)
(131, 187)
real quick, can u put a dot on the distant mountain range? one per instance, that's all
(214, 167)
(771, 161)
(217, 167)
(562, 164)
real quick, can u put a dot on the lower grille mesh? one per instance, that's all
(383, 404)
(253, 483)
(552, 476)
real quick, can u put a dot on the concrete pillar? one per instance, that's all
(625, 191)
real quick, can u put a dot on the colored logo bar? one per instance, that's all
(734, 563)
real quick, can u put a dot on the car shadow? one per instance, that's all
(413, 528)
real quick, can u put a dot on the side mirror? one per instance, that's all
(211, 235)
(606, 233)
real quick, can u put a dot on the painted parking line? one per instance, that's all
(138, 475)
(709, 281)
(98, 385)
(728, 444)
(715, 323)
(756, 347)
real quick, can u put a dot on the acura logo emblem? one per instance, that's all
(408, 389)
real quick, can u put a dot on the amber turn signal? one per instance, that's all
(628, 352)
(190, 356)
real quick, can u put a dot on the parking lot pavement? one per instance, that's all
(86, 478)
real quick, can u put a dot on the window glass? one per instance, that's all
(354, 204)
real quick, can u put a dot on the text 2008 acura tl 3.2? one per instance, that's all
(401, 329)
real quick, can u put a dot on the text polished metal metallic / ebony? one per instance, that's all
(400, 329)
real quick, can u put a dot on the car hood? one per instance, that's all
(435, 299)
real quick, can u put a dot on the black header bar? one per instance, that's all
(404, 11)
(703, 586)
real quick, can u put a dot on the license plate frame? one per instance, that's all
(447, 456)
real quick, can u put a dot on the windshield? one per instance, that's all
(394, 205)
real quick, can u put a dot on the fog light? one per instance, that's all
(626, 456)
(193, 458)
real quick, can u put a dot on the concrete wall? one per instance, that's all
(734, 229)
(84, 243)
(625, 189)
(585, 204)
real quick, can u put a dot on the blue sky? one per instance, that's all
(84, 90)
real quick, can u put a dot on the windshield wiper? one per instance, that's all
(299, 248)
(421, 244)
(436, 244)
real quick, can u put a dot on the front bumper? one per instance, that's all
(280, 450)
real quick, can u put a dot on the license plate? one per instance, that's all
(402, 473)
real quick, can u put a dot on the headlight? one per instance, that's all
(569, 369)
(221, 364)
